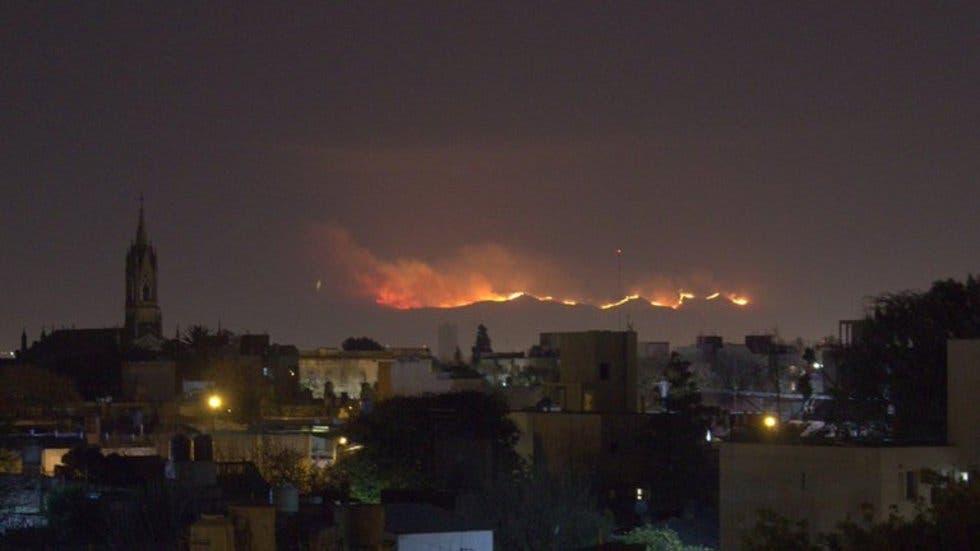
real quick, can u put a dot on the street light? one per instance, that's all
(770, 422)
(214, 403)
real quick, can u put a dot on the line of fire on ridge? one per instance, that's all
(682, 296)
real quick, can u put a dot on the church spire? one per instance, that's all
(142, 310)
(141, 228)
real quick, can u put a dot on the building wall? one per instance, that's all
(410, 377)
(448, 342)
(244, 446)
(474, 540)
(562, 441)
(259, 522)
(603, 364)
(51, 458)
(346, 372)
(963, 415)
(212, 533)
(153, 380)
(283, 366)
(824, 485)
(614, 448)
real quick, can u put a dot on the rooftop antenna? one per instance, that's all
(619, 286)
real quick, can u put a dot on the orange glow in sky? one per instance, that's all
(482, 273)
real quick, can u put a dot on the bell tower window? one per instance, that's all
(146, 292)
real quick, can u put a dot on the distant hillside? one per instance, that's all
(515, 325)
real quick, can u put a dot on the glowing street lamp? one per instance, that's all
(214, 402)
(770, 422)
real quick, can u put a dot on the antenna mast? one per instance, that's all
(619, 286)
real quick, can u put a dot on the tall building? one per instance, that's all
(597, 370)
(448, 343)
(143, 320)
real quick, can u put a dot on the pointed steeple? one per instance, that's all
(142, 310)
(141, 228)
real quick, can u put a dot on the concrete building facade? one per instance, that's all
(154, 381)
(447, 342)
(823, 485)
(597, 370)
(963, 415)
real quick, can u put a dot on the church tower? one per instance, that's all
(143, 320)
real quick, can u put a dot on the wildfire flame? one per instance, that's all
(459, 280)
(619, 302)
(682, 297)
(739, 300)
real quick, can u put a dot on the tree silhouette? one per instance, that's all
(899, 358)
(683, 395)
(949, 523)
(804, 386)
(482, 345)
(361, 344)
(416, 442)
(196, 335)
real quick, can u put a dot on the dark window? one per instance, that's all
(911, 486)
(146, 292)
(603, 372)
(803, 481)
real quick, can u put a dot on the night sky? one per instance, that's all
(806, 156)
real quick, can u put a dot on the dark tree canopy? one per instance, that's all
(683, 395)
(537, 510)
(482, 345)
(898, 357)
(950, 523)
(464, 442)
(196, 335)
(30, 389)
(361, 344)
(804, 386)
(414, 443)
